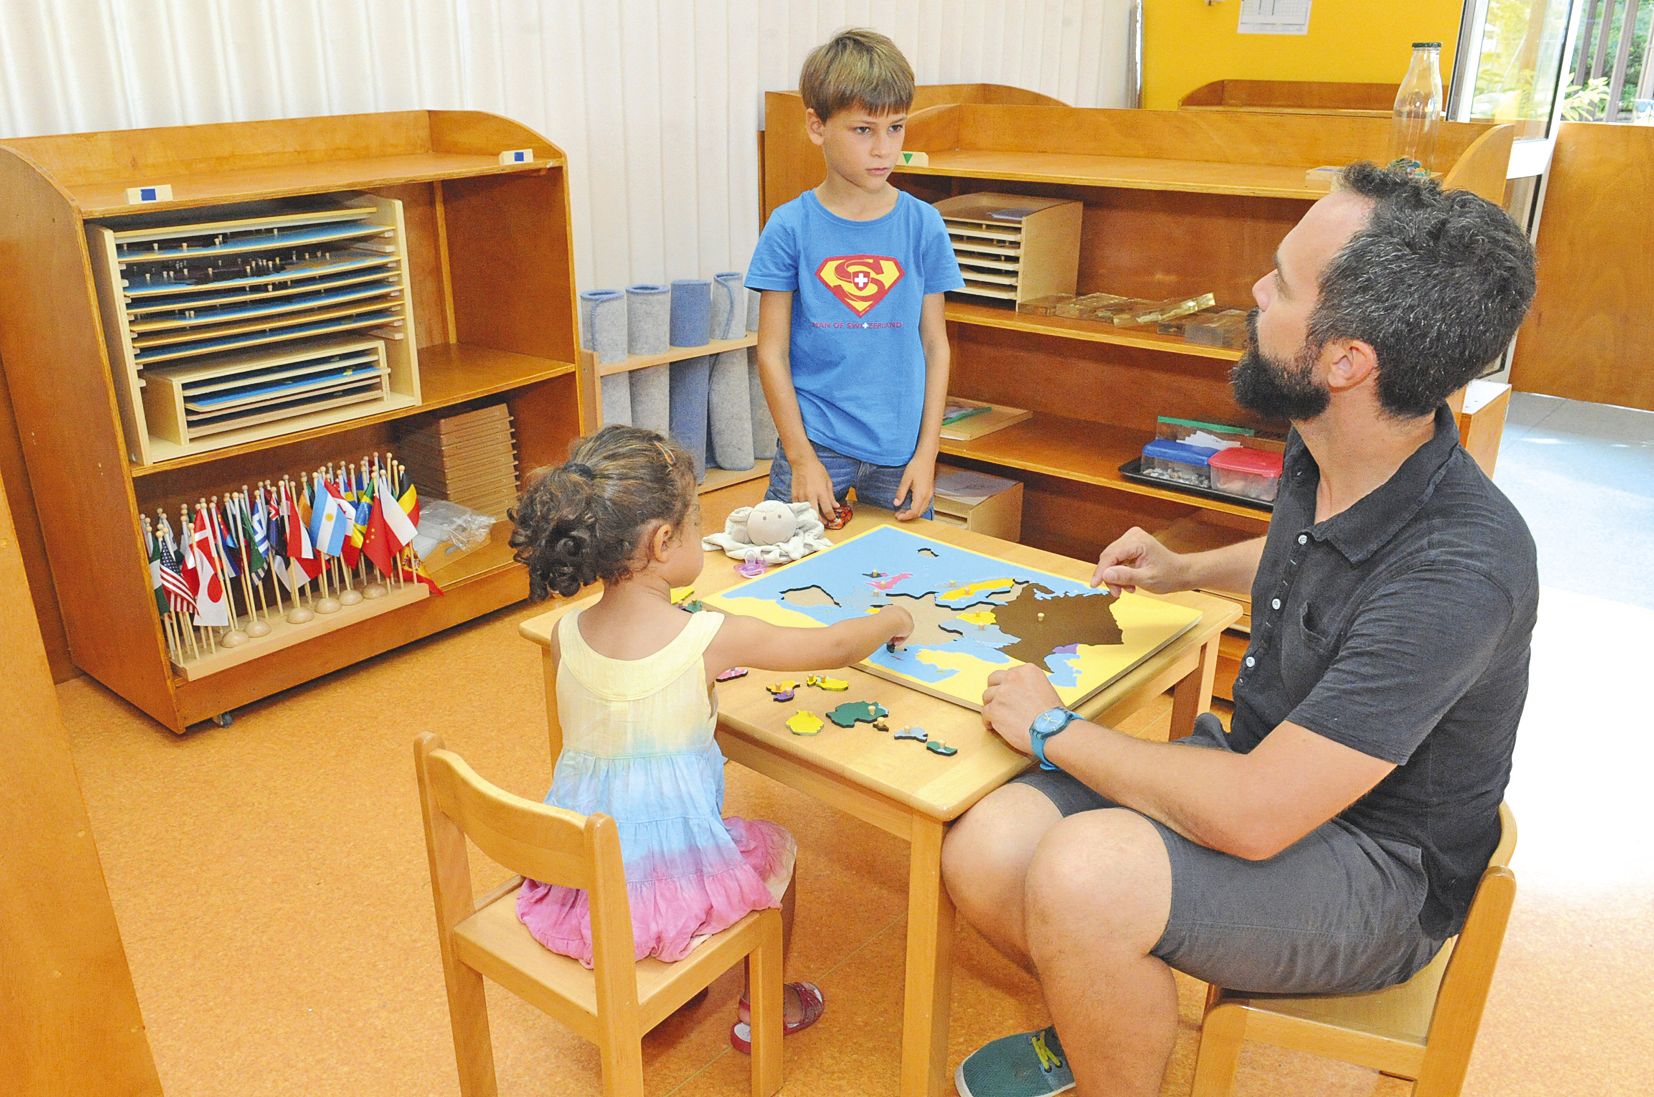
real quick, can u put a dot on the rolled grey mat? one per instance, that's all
(648, 319)
(752, 310)
(728, 314)
(763, 424)
(652, 398)
(617, 399)
(729, 409)
(689, 392)
(691, 312)
(603, 324)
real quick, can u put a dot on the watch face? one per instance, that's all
(1052, 719)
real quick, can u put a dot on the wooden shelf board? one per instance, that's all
(677, 354)
(106, 199)
(1124, 172)
(725, 478)
(988, 316)
(1083, 451)
(449, 373)
(495, 556)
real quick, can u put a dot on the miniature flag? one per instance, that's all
(210, 607)
(154, 545)
(408, 498)
(277, 533)
(226, 539)
(253, 536)
(177, 590)
(397, 519)
(302, 563)
(378, 543)
(332, 521)
(418, 572)
(352, 551)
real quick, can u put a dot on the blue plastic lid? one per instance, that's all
(1168, 450)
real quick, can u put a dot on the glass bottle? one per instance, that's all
(1418, 110)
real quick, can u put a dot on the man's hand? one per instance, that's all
(812, 485)
(1135, 560)
(919, 478)
(1012, 700)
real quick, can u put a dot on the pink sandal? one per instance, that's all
(811, 1003)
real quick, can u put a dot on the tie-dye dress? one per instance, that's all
(638, 746)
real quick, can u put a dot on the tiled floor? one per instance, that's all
(270, 881)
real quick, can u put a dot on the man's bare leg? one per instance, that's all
(1098, 896)
(985, 859)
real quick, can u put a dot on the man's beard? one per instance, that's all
(1275, 389)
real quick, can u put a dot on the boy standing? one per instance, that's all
(852, 347)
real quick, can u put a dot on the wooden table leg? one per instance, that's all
(1193, 695)
(929, 966)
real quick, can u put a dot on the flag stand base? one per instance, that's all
(284, 634)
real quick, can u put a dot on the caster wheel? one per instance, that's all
(224, 719)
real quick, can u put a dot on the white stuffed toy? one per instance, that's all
(773, 531)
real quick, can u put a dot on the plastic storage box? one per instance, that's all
(1253, 473)
(1178, 463)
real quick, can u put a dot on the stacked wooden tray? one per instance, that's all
(1012, 247)
(469, 459)
(233, 324)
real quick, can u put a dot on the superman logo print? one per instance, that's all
(860, 281)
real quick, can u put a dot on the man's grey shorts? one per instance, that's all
(1335, 913)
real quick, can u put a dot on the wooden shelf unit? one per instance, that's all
(1175, 203)
(490, 274)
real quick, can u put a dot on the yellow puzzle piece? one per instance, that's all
(804, 723)
(781, 687)
(832, 685)
(986, 586)
(681, 595)
(983, 617)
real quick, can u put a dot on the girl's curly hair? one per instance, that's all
(586, 519)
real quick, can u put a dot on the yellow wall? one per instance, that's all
(1187, 43)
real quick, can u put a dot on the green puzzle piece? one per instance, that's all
(852, 713)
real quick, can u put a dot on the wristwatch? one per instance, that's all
(1045, 725)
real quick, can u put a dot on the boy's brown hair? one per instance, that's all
(856, 68)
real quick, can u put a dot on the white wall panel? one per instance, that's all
(656, 102)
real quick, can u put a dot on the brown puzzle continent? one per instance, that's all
(1069, 619)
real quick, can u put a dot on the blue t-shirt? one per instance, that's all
(858, 290)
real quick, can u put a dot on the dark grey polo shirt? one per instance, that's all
(1401, 628)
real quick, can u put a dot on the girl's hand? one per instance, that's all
(812, 485)
(900, 622)
(919, 481)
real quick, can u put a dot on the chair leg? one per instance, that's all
(620, 1051)
(1221, 1035)
(473, 1044)
(764, 990)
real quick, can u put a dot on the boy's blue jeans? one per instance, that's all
(875, 484)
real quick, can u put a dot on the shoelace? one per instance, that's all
(1048, 1059)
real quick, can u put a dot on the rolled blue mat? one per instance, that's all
(752, 310)
(648, 312)
(729, 410)
(617, 399)
(689, 395)
(603, 324)
(691, 312)
(763, 424)
(728, 312)
(651, 398)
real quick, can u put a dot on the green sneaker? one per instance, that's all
(1029, 1064)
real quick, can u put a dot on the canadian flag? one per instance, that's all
(210, 605)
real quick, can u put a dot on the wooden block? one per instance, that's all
(975, 426)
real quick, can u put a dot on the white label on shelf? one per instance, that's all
(158, 192)
(517, 156)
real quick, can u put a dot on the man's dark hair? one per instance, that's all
(1436, 282)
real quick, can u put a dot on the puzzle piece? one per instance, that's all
(936, 746)
(681, 594)
(918, 735)
(852, 713)
(804, 723)
(781, 691)
(732, 673)
(831, 685)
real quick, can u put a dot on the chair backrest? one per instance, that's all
(544, 843)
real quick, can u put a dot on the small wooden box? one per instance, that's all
(1013, 247)
(998, 514)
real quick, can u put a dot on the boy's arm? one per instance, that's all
(920, 476)
(811, 484)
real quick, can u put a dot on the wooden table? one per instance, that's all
(908, 791)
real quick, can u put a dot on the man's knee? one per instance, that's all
(986, 853)
(1104, 875)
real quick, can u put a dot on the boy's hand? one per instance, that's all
(1135, 560)
(812, 485)
(919, 480)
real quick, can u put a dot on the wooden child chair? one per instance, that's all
(1422, 1030)
(618, 1000)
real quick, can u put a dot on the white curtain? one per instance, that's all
(656, 102)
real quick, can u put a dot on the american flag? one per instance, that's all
(178, 591)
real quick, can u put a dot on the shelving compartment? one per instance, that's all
(240, 323)
(1013, 247)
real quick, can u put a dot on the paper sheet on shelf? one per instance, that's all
(968, 486)
(1274, 17)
